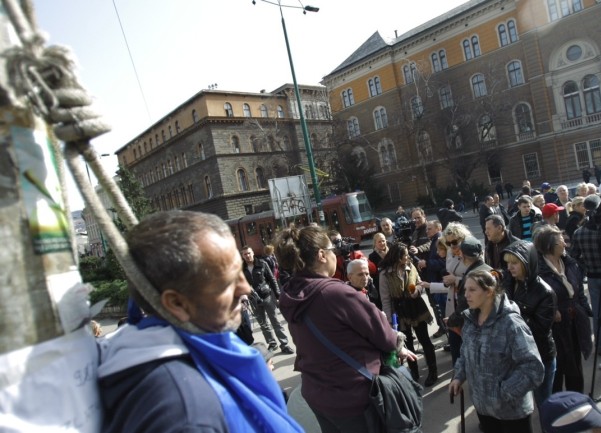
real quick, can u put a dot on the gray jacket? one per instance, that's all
(500, 361)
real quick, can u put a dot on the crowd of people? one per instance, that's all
(513, 308)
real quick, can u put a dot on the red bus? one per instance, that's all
(349, 213)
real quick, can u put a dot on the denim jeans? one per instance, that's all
(594, 290)
(545, 389)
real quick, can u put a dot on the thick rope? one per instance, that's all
(43, 78)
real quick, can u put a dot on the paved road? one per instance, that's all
(439, 415)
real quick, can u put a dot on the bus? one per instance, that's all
(349, 213)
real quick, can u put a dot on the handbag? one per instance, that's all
(395, 398)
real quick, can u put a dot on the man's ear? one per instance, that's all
(177, 304)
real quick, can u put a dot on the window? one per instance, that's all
(375, 88)
(553, 13)
(439, 61)
(264, 112)
(486, 129)
(135, 153)
(156, 137)
(353, 127)
(170, 166)
(417, 107)
(246, 110)
(347, 98)
(163, 135)
(309, 112)
(208, 187)
(201, 152)
(566, 7)
(184, 159)
(280, 112)
(531, 167)
(571, 99)
(573, 53)
(236, 143)
(254, 143)
(503, 37)
(523, 119)
(435, 62)
(242, 180)
(176, 162)
(410, 72)
(588, 153)
(170, 132)
(145, 147)
(177, 128)
(478, 86)
(229, 112)
(508, 33)
(380, 118)
(195, 118)
(164, 167)
(387, 153)
(151, 143)
(513, 31)
(446, 97)
(453, 134)
(260, 177)
(471, 48)
(424, 146)
(514, 72)
(442, 54)
(592, 96)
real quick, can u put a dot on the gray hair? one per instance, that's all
(351, 265)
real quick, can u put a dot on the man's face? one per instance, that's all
(248, 255)
(562, 193)
(358, 276)
(418, 218)
(494, 233)
(431, 230)
(490, 202)
(524, 208)
(216, 306)
(386, 227)
(495, 199)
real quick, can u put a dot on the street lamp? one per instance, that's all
(303, 123)
(103, 246)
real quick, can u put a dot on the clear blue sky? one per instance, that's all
(181, 46)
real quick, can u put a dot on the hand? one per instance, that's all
(557, 317)
(406, 354)
(417, 292)
(449, 280)
(412, 250)
(421, 264)
(425, 284)
(455, 387)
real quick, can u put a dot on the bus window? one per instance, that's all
(358, 208)
(251, 229)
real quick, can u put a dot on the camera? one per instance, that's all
(593, 211)
(345, 246)
(403, 230)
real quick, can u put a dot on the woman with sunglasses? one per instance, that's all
(399, 289)
(498, 358)
(336, 392)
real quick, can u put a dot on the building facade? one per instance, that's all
(215, 152)
(494, 91)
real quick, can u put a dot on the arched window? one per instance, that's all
(476, 46)
(135, 153)
(513, 31)
(410, 72)
(352, 125)
(442, 54)
(170, 132)
(514, 72)
(242, 180)
(417, 107)
(184, 159)
(347, 98)
(571, 99)
(478, 86)
(195, 118)
(435, 62)
(280, 112)
(446, 97)
(523, 118)
(503, 37)
(424, 146)
(254, 143)
(260, 177)
(229, 112)
(380, 118)
(264, 112)
(467, 50)
(453, 134)
(208, 187)
(151, 143)
(375, 88)
(177, 129)
(246, 110)
(592, 96)
(391, 154)
(145, 147)
(486, 129)
(236, 143)
(201, 152)
(163, 135)
(176, 162)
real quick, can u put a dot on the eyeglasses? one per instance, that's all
(329, 249)
(452, 243)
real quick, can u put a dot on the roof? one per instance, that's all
(374, 44)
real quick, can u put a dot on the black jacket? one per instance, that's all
(446, 215)
(262, 280)
(493, 252)
(536, 299)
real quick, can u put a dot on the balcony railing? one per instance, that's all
(578, 122)
(525, 136)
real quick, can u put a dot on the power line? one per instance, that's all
(132, 63)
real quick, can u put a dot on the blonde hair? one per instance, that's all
(456, 229)
(376, 237)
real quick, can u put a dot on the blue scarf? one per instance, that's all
(251, 399)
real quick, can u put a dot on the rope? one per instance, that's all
(43, 78)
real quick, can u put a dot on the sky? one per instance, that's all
(180, 47)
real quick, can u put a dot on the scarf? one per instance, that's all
(250, 397)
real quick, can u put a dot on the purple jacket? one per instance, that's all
(348, 320)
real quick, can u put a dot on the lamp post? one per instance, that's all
(303, 122)
(103, 246)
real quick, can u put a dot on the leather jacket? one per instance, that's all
(262, 280)
(535, 298)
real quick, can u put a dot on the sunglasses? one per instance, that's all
(453, 243)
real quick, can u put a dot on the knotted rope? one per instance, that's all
(43, 78)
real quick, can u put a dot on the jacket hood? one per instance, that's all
(527, 254)
(130, 346)
(297, 294)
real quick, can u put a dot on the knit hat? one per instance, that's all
(569, 412)
(471, 247)
(545, 185)
(551, 209)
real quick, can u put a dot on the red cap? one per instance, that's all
(551, 209)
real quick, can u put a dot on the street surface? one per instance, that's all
(439, 415)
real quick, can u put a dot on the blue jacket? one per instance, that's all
(500, 361)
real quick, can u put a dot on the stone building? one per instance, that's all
(215, 152)
(492, 91)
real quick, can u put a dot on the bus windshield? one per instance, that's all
(357, 208)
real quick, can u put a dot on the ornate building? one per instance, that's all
(216, 151)
(492, 91)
